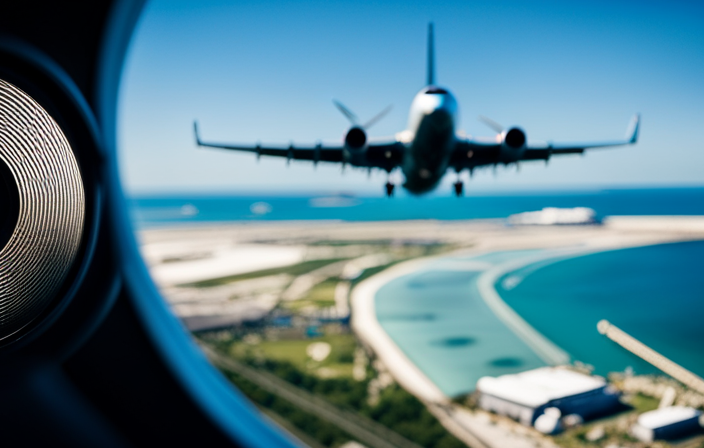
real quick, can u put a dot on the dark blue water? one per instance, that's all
(159, 210)
(654, 293)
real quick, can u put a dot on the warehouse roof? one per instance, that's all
(666, 416)
(536, 387)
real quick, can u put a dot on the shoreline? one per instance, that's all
(660, 230)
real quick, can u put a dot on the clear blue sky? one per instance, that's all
(267, 71)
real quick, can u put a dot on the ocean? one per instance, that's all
(160, 210)
(654, 293)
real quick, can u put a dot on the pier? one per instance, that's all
(641, 350)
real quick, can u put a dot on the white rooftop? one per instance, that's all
(554, 216)
(534, 388)
(666, 416)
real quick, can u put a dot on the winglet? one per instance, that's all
(431, 55)
(633, 128)
(195, 130)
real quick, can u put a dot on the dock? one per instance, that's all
(641, 350)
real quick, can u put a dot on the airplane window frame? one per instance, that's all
(225, 405)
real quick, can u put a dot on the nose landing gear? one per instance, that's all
(459, 188)
(389, 189)
(458, 185)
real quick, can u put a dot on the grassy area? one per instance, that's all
(342, 243)
(643, 403)
(298, 305)
(293, 270)
(373, 271)
(338, 362)
(323, 294)
(413, 252)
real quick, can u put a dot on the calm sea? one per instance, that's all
(654, 293)
(171, 209)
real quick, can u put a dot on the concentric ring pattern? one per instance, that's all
(46, 239)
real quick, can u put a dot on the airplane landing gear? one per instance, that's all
(459, 188)
(389, 189)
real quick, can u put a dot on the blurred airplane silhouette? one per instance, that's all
(430, 145)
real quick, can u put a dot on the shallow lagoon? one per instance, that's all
(437, 317)
(656, 293)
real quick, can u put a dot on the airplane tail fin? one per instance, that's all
(431, 55)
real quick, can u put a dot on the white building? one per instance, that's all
(525, 396)
(672, 422)
(552, 216)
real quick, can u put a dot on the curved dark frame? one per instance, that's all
(111, 365)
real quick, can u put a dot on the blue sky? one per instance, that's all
(268, 71)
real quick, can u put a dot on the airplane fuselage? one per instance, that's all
(431, 128)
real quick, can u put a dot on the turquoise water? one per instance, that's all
(655, 293)
(437, 317)
(187, 208)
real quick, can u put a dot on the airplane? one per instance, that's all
(430, 145)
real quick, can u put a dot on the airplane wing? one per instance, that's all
(317, 153)
(377, 154)
(471, 153)
(543, 152)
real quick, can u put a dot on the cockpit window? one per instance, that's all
(436, 91)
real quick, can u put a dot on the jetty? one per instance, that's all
(641, 350)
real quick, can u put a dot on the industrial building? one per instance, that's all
(668, 423)
(525, 396)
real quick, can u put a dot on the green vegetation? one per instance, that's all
(337, 363)
(287, 359)
(293, 270)
(290, 427)
(342, 243)
(643, 403)
(373, 271)
(323, 294)
(405, 414)
(397, 409)
(323, 432)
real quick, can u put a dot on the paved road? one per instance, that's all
(363, 429)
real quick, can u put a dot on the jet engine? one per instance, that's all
(513, 144)
(355, 139)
